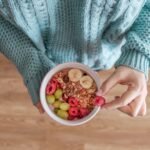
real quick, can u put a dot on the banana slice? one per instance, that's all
(75, 75)
(86, 82)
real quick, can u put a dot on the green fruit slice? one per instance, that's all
(56, 104)
(64, 106)
(62, 114)
(58, 93)
(50, 99)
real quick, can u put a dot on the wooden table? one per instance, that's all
(23, 128)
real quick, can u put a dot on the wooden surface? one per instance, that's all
(23, 128)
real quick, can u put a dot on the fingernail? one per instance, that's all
(99, 93)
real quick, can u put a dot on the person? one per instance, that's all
(38, 35)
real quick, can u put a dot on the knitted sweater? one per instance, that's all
(38, 34)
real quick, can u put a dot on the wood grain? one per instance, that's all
(23, 128)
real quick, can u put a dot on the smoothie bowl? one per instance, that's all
(68, 93)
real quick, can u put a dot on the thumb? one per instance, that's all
(39, 107)
(108, 84)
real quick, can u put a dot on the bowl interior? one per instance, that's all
(48, 77)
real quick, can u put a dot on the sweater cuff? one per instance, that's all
(34, 83)
(135, 60)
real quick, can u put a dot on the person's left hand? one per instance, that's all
(132, 102)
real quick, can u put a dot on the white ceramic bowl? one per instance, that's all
(46, 79)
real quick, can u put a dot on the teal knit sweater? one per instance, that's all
(36, 35)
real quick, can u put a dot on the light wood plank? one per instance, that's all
(23, 128)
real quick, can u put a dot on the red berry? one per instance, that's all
(53, 81)
(83, 112)
(99, 101)
(71, 117)
(73, 101)
(51, 88)
(58, 84)
(73, 111)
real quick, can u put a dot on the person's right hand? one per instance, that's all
(133, 100)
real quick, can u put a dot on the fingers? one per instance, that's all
(124, 100)
(108, 84)
(126, 110)
(135, 108)
(143, 109)
(39, 107)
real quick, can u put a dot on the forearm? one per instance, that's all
(30, 62)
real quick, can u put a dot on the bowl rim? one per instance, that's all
(50, 74)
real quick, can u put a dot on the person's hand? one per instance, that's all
(39, 107)
(132, 102)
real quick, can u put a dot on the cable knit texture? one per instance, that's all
(38, 34)
(136, 51)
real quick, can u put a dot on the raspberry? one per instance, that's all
(83, 112)
(73, 101)
(51, 88)
(71, 117)
(99, 101)
(58, 84)
(53, 80)
(73, 111)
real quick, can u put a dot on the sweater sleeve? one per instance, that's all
(32, 63)
(136, 51)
